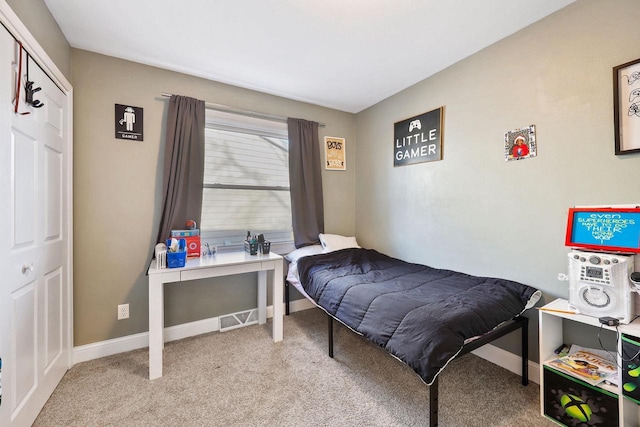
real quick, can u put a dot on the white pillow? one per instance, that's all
(303, 251)
(334, 242)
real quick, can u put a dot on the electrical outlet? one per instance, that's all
(123, 311)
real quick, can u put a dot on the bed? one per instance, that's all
(423, 316)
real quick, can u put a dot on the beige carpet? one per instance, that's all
(242, 378)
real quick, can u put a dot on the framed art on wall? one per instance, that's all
(626, 107)
(335, 152)
(418, 139)
(129, 123)
(520, 143)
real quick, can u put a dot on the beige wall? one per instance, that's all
(117, 194)
(35, 15)
(473, 211)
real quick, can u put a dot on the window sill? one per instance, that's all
(280, 248)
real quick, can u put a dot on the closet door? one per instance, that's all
(35, 286)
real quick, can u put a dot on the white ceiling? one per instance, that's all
(342, 54)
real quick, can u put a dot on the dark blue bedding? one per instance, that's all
(419, 314)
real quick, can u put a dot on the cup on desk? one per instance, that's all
(265, 247)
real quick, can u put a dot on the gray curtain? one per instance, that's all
(183, 165)
(305, 182)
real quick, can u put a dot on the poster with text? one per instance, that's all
(335, 153)
(418, 139)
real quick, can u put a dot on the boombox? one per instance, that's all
(599, 284)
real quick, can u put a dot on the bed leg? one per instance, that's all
(433, 403)
(525, 350)
(330, 336)
(286, 298)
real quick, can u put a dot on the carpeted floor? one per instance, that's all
(242, 378)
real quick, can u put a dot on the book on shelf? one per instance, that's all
(590, 365)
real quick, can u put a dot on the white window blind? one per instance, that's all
(246, 180)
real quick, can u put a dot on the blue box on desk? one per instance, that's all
(179, 258)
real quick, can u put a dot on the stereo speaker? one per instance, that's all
(599, 284)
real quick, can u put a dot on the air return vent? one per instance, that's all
(238, 320)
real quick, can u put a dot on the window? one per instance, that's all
(246, 180)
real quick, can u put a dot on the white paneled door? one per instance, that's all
(35, 308)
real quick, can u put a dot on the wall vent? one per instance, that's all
(238, 320)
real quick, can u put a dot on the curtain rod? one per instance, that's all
(227, 109)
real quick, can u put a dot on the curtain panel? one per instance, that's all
(305, 182)
(183, 165)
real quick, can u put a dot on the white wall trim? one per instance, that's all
(507, 360)
(100, 349)
(137, 341)
(489, 352)
(294, 305)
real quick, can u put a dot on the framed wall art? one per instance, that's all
(520, 143)
(626, 107)
(418, 139)
(335, 152)
(128, 123)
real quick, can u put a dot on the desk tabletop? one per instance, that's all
(217, 260)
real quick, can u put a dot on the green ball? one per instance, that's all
(576, 407)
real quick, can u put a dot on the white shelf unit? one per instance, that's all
(551, 337)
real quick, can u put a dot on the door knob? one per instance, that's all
(26, 269)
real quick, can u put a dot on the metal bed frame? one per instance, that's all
(519, 322)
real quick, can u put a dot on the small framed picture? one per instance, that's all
(129, 122)
(520, 143)
(335, 151)
(626, 107)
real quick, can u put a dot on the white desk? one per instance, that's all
(221, 264)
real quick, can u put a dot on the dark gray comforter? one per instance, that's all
(420, 314)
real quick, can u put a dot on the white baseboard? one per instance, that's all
(134, 342)
(507, 360)
(100, 349)
(297, 305)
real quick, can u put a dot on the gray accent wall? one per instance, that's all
(473, 211)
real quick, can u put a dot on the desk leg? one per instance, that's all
(278, 294)
(156, 320)
(262, 297)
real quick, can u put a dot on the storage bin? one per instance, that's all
(177, 259)
(265, 247)
(571, 402)
(251, 247)
(631, 367)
